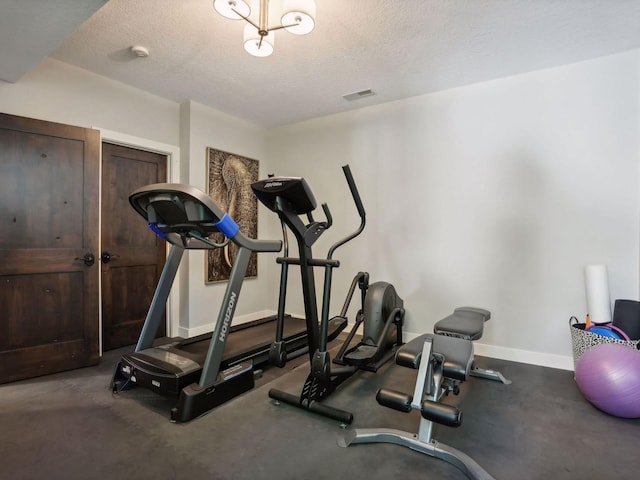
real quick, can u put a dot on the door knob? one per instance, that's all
(88, 259)
(106, 257)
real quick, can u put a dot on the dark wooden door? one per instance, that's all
(132, 255)
(49, 311)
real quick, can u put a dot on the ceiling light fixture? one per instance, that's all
(296, 16)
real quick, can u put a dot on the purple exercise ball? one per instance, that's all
(608, 375)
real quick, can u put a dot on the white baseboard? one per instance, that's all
(503, 353)
(515, 355)
(524, 356)
(237, 320)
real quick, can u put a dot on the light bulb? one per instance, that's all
(300, 15)
(253, 45)
(226, 8)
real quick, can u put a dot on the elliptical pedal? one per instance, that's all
(360, 354)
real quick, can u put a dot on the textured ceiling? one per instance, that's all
(396, 48)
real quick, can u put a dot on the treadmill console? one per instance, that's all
(184, 215)
(296, 191)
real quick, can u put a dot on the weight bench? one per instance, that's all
(443, 362)
(468, 323)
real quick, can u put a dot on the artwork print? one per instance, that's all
(229, 179)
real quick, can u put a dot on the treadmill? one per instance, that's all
(210, 369)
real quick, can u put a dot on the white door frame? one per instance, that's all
(173, 175)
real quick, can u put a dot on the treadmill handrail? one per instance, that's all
(180, 189)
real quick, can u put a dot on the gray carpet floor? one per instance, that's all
(70, 426)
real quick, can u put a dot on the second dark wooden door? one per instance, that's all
(132, 256)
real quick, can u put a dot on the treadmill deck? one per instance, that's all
(169, 368)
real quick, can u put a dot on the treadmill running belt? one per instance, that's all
(247, 341)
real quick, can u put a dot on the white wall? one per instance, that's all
(58, 92)
(493, 195)
(202, 128)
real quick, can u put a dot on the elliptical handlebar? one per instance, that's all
(324, 225)
(358, 201)
(354, 191)
(327, 214)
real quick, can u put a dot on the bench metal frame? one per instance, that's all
(429, 387)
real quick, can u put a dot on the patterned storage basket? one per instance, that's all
(582, 340)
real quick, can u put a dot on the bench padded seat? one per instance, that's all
(464, 322)
(457, 352)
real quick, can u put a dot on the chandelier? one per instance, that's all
(296, 16)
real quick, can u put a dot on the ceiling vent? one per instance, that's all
(356, 95)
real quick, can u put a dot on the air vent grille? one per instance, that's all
(356, 95)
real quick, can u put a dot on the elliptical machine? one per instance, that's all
(381, 314)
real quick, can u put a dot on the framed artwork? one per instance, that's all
(229, 179)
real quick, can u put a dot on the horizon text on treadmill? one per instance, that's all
(227, 317)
